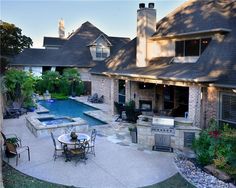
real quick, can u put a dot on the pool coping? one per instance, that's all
(38, 129)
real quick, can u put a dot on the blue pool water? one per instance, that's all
(54, 121)
(70, 108)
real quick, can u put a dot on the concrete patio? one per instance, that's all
(118, 162)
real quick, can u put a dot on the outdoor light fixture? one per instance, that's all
(234, 90)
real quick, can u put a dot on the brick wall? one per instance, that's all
(102, 86)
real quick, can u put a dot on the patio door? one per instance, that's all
(121, 92)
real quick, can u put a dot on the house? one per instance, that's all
(186, 62)
(83, 49)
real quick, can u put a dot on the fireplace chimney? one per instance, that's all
(61, 29)
(146, 27)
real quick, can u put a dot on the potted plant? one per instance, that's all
(133, 133)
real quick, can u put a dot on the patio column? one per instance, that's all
(127, 90)
(114, 94)
(194, 105)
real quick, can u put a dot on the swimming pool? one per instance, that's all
(70, 108)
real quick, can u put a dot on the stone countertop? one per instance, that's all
(183, 127)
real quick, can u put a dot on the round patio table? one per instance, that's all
(66, 139)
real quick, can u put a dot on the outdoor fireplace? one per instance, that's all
(145, 105)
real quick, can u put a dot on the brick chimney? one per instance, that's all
(146, 27)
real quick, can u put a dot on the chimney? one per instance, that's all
(146, 27)
(61, 29)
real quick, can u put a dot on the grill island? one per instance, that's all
(165, 133)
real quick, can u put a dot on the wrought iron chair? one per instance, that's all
(90, 146)
(79, 152)
(12, 150)
(57, 148)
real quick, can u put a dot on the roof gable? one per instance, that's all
(99, 40)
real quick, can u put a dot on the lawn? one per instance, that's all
(12, 178)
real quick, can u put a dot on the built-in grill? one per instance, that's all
(163, 128)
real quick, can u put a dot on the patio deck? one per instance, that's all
(118, 163)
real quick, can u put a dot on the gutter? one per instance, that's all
(154, 77)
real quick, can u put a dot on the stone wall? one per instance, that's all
(195, 105)
(84, 74)
(102, 86)
(138, 94)
(212, 103)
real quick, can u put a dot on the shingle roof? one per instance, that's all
(53, 41)
(196, 15)
(217, 63)
(74, 51)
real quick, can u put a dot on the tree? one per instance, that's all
(12, 42)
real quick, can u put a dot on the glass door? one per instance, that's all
(121, 92)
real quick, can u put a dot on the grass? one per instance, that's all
(13, 178)
(176, 181)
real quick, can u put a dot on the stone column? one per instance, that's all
(194, 105)
(114, 94)
(127, 90)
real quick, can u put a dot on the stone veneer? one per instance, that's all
(146, 137)
(102, 86)
(40, 130)
(194, 106)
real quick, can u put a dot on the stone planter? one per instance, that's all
(133, 136)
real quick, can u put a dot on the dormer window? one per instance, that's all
(190, 50)
(100, 48)
(101, 52)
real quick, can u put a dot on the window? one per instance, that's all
(101, 52)
(204, 43)
(191, 47)
(179, 48)
(228, 109)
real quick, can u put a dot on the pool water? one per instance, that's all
(70, 108)
(54, 121)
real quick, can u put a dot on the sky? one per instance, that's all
(39, 18)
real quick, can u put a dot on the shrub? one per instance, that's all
(19, 86)
(201, 147)
(131, 113)
(216, 145)
(59, 96)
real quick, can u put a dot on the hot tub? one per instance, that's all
(42, 125)
(55, 121)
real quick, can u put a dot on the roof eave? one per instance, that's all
(195, 33)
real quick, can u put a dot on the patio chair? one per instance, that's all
(100, 99)
(119, 108)
(11, 113)
(12, 150)
(11, 138)
(57, 148)
(90, 146)
(79, 152)
(93, 98)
